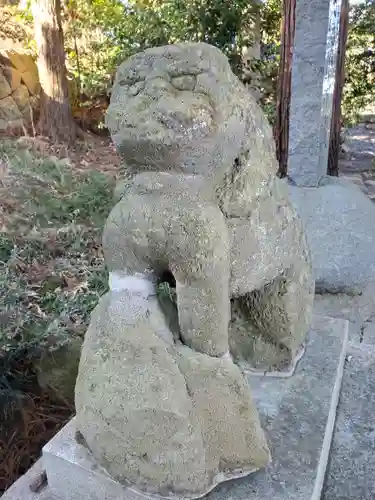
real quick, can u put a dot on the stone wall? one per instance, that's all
(19, 91)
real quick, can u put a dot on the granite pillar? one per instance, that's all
(337, 216)
(313, 80)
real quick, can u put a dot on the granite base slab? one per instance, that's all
(297, 413)
(351, 471)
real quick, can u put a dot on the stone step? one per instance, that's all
(298, 415)
(351, 471)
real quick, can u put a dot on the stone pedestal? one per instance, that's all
(313, 81)
(297, 413)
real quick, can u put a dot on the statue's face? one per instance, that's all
(169, 101)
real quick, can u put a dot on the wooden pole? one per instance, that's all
(281, 127)
(335, 132)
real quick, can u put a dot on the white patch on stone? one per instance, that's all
(226, 355)
(137, 284)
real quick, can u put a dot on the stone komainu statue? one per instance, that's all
(174, 416)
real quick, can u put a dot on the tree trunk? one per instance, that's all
(56, 120)
(335, 132)
(281, 127)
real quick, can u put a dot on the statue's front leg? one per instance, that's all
(148, 236)
(201, 269)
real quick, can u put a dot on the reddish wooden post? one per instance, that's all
(281, 127)
(335, 132)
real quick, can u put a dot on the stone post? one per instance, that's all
(337, 216)
(313, 82)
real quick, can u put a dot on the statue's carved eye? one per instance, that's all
(184, 82)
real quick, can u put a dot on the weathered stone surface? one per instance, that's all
(21, 490)
(231, 432)
(5, 89)
(351, 472)
(58, 370)
(12, 75)
(160, 113)
(19, 87)
(74, 474)
(295, 414)
(31, 79)
(339, 225)
(14, 127)
(20, 59)
(188, 131)
(131, 400)
(167, 411)
(148, 213)
(21, 97)
(358, 309)
(147, 418)
(9, 113)
(351, 468)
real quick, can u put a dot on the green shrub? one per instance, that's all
(52, 271)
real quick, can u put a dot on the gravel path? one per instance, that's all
(358, 165)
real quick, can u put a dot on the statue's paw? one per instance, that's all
(234, 441)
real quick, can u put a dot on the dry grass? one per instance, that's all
(53, 206)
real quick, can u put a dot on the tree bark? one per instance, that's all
(281, 127)
(335, 132)
(56, 120)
